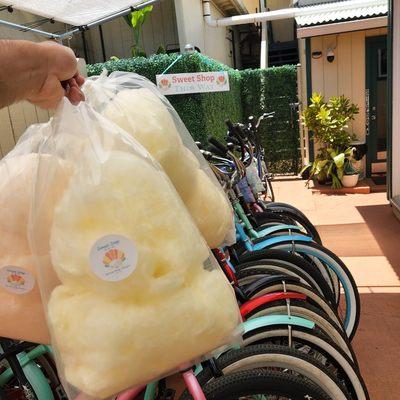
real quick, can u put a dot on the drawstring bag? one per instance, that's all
(136, 105)
(21, 311)
(132, 291)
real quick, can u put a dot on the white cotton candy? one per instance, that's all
(142, 114)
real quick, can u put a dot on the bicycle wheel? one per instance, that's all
(310, 313)
(259, 384)
(333, 262)
(324, 286)
(283, 210)
(277, 358)
(330, 278)
(316, 344)
(286, 284)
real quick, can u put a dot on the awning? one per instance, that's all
(355, 9)
(231, 7)
(73, 12)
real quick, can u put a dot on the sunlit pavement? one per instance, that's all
(363, 231)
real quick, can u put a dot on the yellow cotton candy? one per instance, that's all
(145, 117)
(21, 312)
(107, 346)
(206, 204)
(133, 199)
(142, 114)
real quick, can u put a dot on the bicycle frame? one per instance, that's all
(33, 373)
(253, 234)
(188, 376)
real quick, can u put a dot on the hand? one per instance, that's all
(58, 78)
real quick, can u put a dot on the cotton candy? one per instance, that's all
(107, 345)
(132, 291)
(141, 112)
(132, 200)
(21, 313)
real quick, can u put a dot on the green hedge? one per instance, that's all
(202, 113)
(252, 93)
(275, 89)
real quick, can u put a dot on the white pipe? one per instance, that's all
(284, 13)
(264, 40)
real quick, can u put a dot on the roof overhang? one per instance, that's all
(327, 13)
(231, 7)
(341, 27)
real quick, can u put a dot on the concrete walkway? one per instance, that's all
(361, 229)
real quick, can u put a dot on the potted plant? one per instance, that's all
(328, 122)
(350, 174)
(335, 165)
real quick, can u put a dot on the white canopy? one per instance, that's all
(73, 12)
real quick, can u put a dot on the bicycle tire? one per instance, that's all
(353, 306)
(297, 287)
(272, 356)
(310, 313)
(258, 382)
(275, 209)
(297, 262)
(318, 342)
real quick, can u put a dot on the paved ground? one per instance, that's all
(362, 230)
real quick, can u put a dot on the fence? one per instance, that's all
(275, 89)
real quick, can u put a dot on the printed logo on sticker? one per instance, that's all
(113, 258)
(16, 280)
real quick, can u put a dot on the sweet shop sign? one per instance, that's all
(198, 82)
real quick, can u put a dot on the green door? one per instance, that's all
(376, 105)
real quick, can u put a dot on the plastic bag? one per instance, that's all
(136, 105)
(253, 178)
(131, 288)
(21, 309)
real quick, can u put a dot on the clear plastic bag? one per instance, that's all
(136, 105)
(253, 178)
(21, 310)
(131, 288)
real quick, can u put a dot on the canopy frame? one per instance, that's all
(76, 29)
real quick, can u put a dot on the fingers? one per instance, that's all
(61, 60)
(63, 78)
(50, 96)
(80, 80)
(75, 95)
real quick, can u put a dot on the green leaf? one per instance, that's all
(138, 18)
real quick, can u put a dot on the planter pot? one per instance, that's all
(350, 180)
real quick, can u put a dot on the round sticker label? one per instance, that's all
(16, 280)
(113, 258)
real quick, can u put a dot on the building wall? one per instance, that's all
(396, 106)
(344, 76)
(218, 43)
(213, 42)
(283, 30)
(159, 28)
